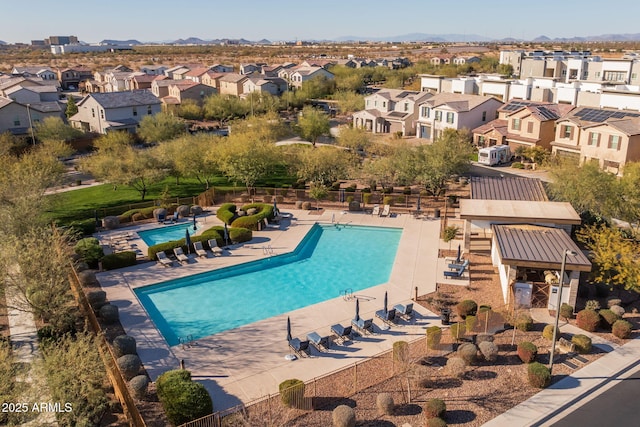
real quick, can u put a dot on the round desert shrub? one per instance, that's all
(468, 352)
(608, 318)
(456, 367)
(457, 330)
(129, 365)
(97, 299)
(434, 335)
(124, 344)
(400, 351)
(87, 278)
(239, 235)
(588, 320)
(582, 343)
(109, 313)
(306, 206)
(622, 329)
(185, 401)
(384, 403)
(291, 392)
(593, 304)
(489, 350)
(527, 351)
(524, 322)
(618, 310)
(139, 385)
(466, 308)
(90, 250)
(470, 323)
(547, 332)
(483, 308)
(435, 422)
(343, 416)
(566, 311)
(435, 408)
(539, 375)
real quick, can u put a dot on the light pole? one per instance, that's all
(33, 138)
(558, 302)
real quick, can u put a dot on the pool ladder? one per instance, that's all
(187, 342)
(267, 250)
(340, 226)
(347, 294)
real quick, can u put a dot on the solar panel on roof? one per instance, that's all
(547, 114)
(599, 116)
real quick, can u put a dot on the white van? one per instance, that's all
(496, 155)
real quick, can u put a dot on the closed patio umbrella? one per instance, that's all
(275, 207)
(194, 222)
(341, 194)
(458, 259)
(226, 234)
(385, 302)
(187, 239)
(288, 329)
(357, 310)
(418, 204)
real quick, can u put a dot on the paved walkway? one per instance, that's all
(247, 363)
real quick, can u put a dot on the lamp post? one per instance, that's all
(33, 138)
(559, 301)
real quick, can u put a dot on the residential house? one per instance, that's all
(142, 81)
(11, 82)
(322, 63)
(461, 60)
(610, 137)
(220, 68)
(196, 74)
(251, 68)
(45, 73)
(117, 80)
(179, 92)
(271, 71)
(212, 79)
(303, 74)
(105, 112)
(154, 70)
(273, 85)
(160, 88)
(17, 118)
(33, 94)
(442, 59)
(176, 72)
(232, 84)
(390, 111)
(454, 111)
(71, 77)
(492, 133)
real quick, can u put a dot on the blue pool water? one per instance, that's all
(166, 233)
(326, 262)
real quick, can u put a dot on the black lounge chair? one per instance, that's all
(388, 316)
(363, 326)
(319, 342)
(342, 333)
(455, 266)
(405, 311)
(300, 347)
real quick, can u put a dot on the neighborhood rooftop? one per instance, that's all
(507, 188)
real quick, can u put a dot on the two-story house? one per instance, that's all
(390, 111)
(43, 72)
(454, 111)
(273, 85)
(105, 112)
(154, 70)
(212, 79)
(179, 92)
(303, 74)
(17, 118)
(232, 84)
(71, 77)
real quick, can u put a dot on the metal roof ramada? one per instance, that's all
(494, 188)
(537, 247)
(519, 211)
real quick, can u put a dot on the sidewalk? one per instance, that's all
(562, 397)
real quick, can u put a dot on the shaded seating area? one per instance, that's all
(319, 342)
(164, 260)
(300, 347)
(342, 333)
(387, 316)
(404, 311)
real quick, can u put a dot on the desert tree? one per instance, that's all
(312, 123)
(161, 127)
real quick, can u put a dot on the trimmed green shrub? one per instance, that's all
(547, 332)
(483, 308)
(457, 330)
(470, 323)
(388, 200)
(593, 305)
(366, 198)
(215, 232)
(136, 214)
(608, 318)
(489, 350)
(588, 320)
(566, 311)
(89, 250)
(129, 365)
(539, 375)
(119, 260)
(466, 308)
(517, 165)
(435, 408)
(384, 403)
(343, 416)
(84, 227)
(124, 344)
(524, 322)
(434, 335)
(109, 313)
(97, 299)
(435, 422)
(622, 329)
(527, 351)
(226, 212)
(456, 367)
(239, 235)
(183, 400)
(260, 212)
(468, 352)
(582, 343)
(291, 392)
(139, 385)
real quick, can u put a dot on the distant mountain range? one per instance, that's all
(1, 42)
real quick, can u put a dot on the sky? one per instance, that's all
(167, 20)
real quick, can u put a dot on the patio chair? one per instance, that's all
(376, 210)
(213, 245)
(385, 210)
(319, 342)
(387, 317)
(172, 219)
(182, 258)
(267, 225)
(364, 326)
(455, 266)
(342, 333)
(404, 311)
(300, 347)
(200, 249)
(163, 259)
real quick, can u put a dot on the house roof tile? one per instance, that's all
(124, 99)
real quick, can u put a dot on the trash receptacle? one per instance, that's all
(436, 213)
(445, 315)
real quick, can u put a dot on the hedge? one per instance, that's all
(119, 260)
(143, 213)
(89, 250)
(263, 210)
(238, 235)
(183, 399)
(226, 212)
(85, 227)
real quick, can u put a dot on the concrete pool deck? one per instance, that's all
(247, 363)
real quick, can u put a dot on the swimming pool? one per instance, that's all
(328, 260)
(166, 233)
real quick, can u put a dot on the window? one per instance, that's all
(449, 117)
(481, 140)
(566, 131)
(597, 74)
(93, 112)
(101, 113)
(614, 142)
(375, 103)
(484, 116)
(438, 117)
(529, 127)
(16, 122)
(406, 106)
(594, 138)
(368, 102)
(614, 76)
(149, 109)
(426, 112)
(135, 111)
(384, 104)
(634, 76)
(515, 124)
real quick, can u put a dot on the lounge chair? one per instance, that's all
(267, 225)
(163, 259)
(404, 311)
(376, 210)
(182, 258)
(319, 342)
(173, 218)
(213, 245)
(342, 333)
(385, 210)
(161, 218)
(301, 348)
(363, 326)
(456, 273)
(200, 249)
(388, 316)
(455, 266)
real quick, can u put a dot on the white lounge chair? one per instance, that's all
(274, 226)
(215, 249)
(385, 210)
(182, 258)
(376, 210)
(164, 260)
(200, 249)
